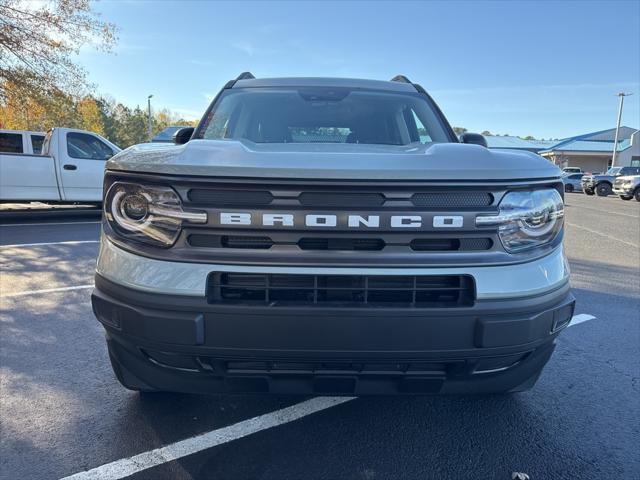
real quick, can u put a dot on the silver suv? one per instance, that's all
(627, 187)
(602, 184)
(323, 235)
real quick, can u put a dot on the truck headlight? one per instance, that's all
(147, 213)
(527, 219)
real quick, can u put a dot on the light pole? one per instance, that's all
(615, 143)
(149, 112)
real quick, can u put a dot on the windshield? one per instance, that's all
(613, 171)
(324, 115)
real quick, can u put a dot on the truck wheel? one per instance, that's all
(588, 191)
(636, 194)
(626, 197)
(568, 188)
(603, 189)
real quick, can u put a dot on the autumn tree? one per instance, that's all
(39, 40)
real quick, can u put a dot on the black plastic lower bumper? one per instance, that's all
(170, 343)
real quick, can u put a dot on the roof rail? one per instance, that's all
(245, 76)
(400, 78)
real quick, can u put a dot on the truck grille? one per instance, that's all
(228, 196)
(281, 290)
(343, 243)
(246, 222)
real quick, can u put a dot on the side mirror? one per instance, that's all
(473, 138)
(183, 135)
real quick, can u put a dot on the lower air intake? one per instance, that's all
(281, 290)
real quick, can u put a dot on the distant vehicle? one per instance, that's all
(572, 170)
(627, 187)
(572, 182)
(166, 135)
(21, 141)
(602, 184)
(70, 167)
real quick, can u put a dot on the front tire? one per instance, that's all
(603, 189)
(626, 197)
(636, 194)
(568, 188)
(588, 191)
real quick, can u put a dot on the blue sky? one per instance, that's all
(548, 69)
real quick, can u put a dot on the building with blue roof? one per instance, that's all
(593, 152)
(517, 143)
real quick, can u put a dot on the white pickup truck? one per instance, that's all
(65, 165)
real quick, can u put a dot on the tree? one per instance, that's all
(90, 116)
(459, 130)
(38, 41)
(487, 132)
(529, 137)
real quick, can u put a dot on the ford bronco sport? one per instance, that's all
(320, 235)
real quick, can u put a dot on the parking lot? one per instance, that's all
(63, 412)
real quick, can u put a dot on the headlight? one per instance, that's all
(527, 219)
(147, 213)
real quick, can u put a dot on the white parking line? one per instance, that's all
(46, 290)
(635, 245)
(580, 318)
(70, 242)
(607, 211)
(128, 466)
(44, 224)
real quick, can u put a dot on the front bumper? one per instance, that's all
(626, 190)
(179, 342)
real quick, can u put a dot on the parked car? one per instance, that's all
(166, 135)
(572, 170)
(627, 187)
(323, 235)
(572, 182)
(69, 169)
(21, 141)
(602, 184)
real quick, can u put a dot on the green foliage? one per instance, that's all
(124, 126)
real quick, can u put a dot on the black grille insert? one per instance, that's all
(452, 199)
(450, 244)
(423, 291)
(338, 199)
(341, 243)
(223, 197)
(230, 241)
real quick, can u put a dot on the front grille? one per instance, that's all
(462, 199)
(227, 197)
(230, 241)
(450, 244)
(341, 243)
(420, 291)
(317, 197)
(333, 243)
(337, 199)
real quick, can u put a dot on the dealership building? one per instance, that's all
(592, 152)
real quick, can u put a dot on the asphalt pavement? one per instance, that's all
(62, 412)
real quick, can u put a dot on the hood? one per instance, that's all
(240, 158)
